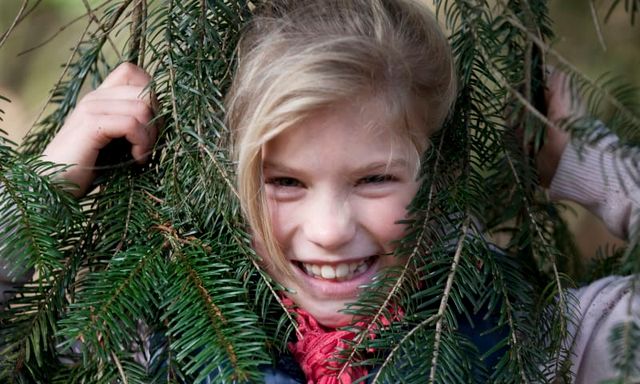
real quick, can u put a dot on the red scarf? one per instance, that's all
(318, 348)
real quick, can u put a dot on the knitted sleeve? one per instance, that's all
(606, 183)
(602, 181)
(602, 306)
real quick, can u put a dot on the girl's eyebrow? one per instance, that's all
(376, 166)
(382, 166)
(279, 167)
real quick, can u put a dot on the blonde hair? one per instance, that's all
(300, 56)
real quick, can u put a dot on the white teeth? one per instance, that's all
(342, 270)
(328, 272)
(339, 272)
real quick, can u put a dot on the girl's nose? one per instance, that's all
(330, 222)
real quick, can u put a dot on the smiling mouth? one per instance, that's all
(337, 271)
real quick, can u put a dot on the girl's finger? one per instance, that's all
(137, 108)
(109, 127)
(119, 92)
(126, 74)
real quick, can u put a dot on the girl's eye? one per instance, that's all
(286, 182)
(376, 179)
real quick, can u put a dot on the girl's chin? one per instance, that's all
(334, 320)
(326, 313)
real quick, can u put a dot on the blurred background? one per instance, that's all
(32, 58)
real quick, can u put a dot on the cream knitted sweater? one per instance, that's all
(609, 186)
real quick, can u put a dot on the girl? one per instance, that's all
(332, 105)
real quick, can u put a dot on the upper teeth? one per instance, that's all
(342, 271)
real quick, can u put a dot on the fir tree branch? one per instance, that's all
(99, 313)
(176, 119)
(563, 305)
(445, 298)
(217, 318)
(64, 27)
(363, 334)
(95, 19)
(25, 215)
(613, 101)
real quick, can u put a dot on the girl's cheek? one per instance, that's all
(266, 261)
(258, 246)
(382, 218)
(282, 219)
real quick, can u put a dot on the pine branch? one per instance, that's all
(391, 296)
(630, 6)
(444, 301)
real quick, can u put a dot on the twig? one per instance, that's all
(27, 13)
(127, 221)
(92, 16)
(596, 23)
(220, 168)
(445, 299)
(61, 29)
(138, 26)
(154, 198)
(119, 366)
(15, 22)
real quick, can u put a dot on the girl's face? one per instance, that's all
(336, 186)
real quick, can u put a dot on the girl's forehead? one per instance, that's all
(365, 122)
(349, 136)
(368, 115)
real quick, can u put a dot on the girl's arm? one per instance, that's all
(119, 107)
(597, 177)
(602, 181)
(593, 175)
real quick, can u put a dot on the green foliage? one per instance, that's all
(630, 6)
(152, 278)
(624, 344)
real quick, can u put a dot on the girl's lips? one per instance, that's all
(334, 289)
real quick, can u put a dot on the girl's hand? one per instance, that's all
(119, 107)
(562, 104)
